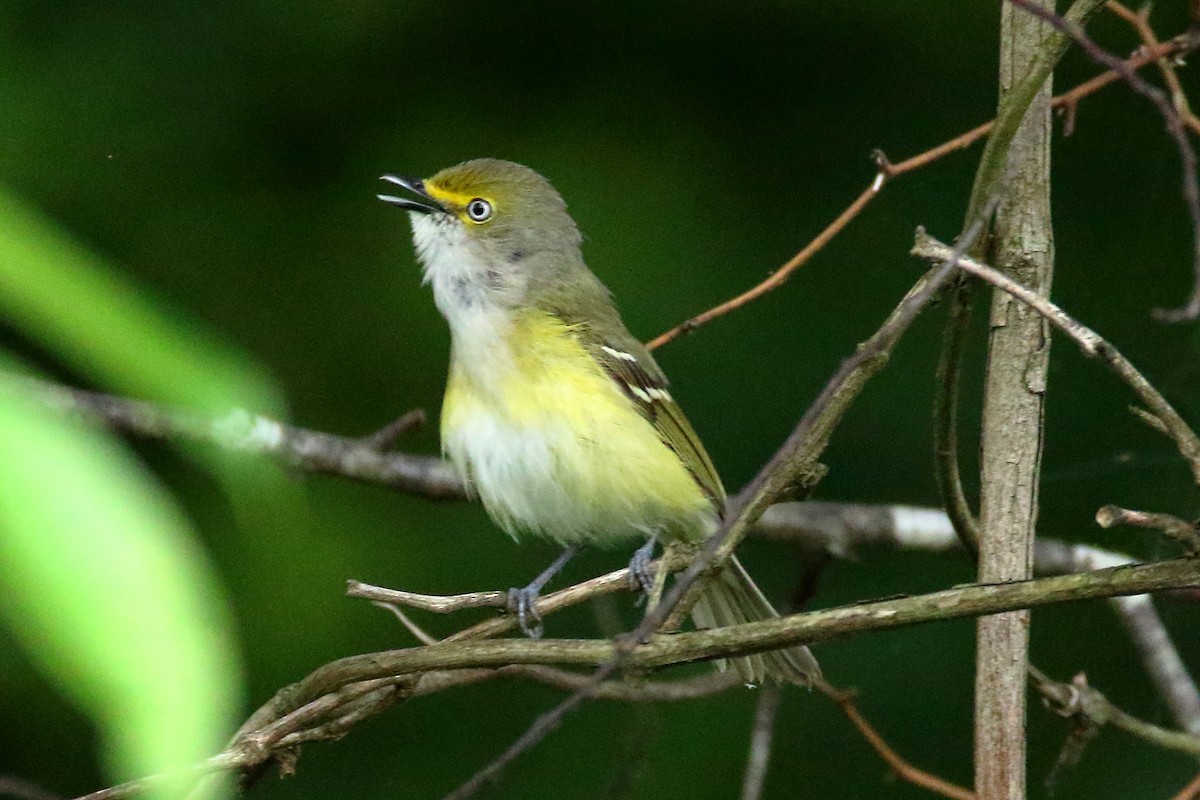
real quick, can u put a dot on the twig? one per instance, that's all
(1189, 792)
(1186, 533)
(20, 789)
(308, 450)
(438, 604)
(760, 742)
(366, 683)
(386, 436)
(887, 171)
(1091, 343)
(223, 763)
(945, 417)
(644, 691)
(1084, 731)
(1161, 659)
(902, 768)
(1175, 126)
(780, 275)
(799, 454)
(1079, 700)
(1141, 621)
(416, 630)
(1140, 22)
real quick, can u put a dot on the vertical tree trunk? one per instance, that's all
(1012, 422)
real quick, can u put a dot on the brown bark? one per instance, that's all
(1013, 422)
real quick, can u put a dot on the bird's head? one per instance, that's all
(488, 225)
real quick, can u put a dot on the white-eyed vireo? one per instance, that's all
(554, 414)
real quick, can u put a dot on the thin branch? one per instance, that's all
(240, 431)
(1186, 533)
(1140, 22)
(887, 171)
(389, 434)
(1161, 659)
(945, 417)
(780, 275)
(815, 626)
(416, 630)
(436, 603)
(1175, 126)
(1079, 700)
(365, 684)
(1189, 792)
(1090, 342)
(902, 768)
(225, 762)
(761, 736)
(20, 789)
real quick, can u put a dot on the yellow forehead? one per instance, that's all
(448, 197)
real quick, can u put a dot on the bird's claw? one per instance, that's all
(641, 572)
(523, 603)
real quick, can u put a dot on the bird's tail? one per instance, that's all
(733, 598)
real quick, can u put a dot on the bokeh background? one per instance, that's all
(224, 158)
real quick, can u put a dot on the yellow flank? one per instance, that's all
(553, 446)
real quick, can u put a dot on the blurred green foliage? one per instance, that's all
(105, 587)
(223, 157)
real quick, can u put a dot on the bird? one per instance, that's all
(555, 416)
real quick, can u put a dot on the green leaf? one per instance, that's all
(106, 587)
(78, 305)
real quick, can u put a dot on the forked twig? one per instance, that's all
(1175, 126)
(888, 170)
(1089, 342)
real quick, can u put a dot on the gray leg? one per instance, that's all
(641, 574)
(521, 601)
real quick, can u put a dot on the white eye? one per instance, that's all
(479, 209)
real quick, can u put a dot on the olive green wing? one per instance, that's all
(633, 368)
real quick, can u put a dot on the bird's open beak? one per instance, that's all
(426, 205)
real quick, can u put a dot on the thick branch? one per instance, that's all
(665, 650)
(1013, 412)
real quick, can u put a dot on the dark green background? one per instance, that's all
(226, 156)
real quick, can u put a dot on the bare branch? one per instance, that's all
(1175, 126)
(387, 436)
(308, 450)
(906, 771)
(438, 604)
(664, 650)
(1140, 22)
(1186, 533)
(761, 735)
(1078, 700)
(20, 789)
(887, 170)
(1192, 790)
(1090, 342)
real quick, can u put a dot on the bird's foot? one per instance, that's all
(523, 601)
(641, 570)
